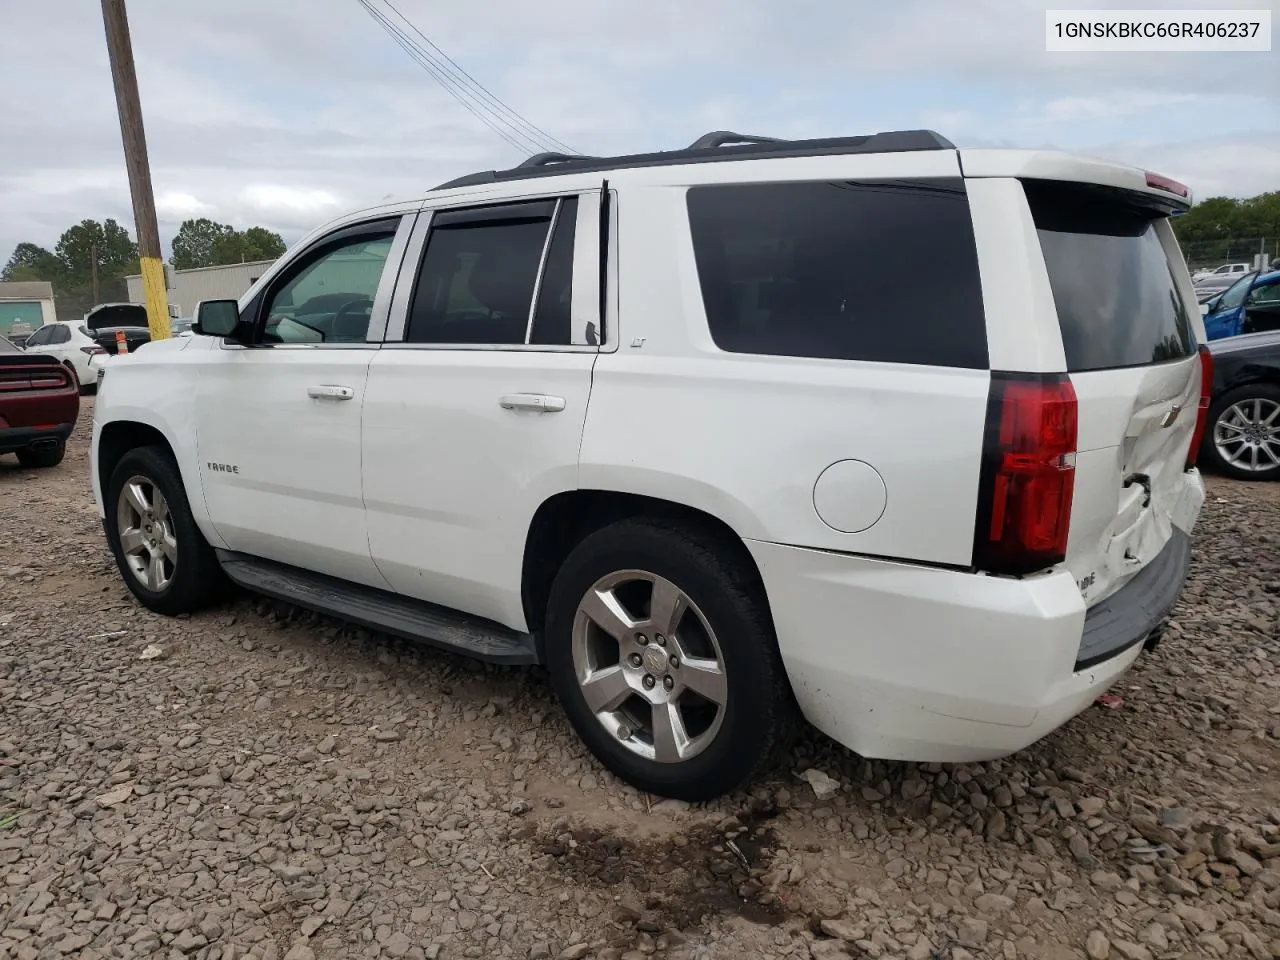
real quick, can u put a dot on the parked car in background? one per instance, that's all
(1227, 270)
(39, 404)
(72, 344)
(1250, 305)
(1242, 438)
(107, 320)
(1218, 280)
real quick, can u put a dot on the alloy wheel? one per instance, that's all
(649, 666)
(1247, 435)
(145, 529)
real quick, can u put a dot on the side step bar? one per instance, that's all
(380, 610)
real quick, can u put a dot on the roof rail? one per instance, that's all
(720, 145)
(544, 159)
(720, 138)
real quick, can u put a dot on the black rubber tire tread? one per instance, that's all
(761, 717)
(1209, 451)
(44, 457)
(198, 580)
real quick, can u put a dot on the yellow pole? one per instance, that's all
(125, 78)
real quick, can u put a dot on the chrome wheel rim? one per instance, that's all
(145, 529)
(1247, 435)
(649, 666)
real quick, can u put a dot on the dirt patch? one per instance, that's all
(678, 882)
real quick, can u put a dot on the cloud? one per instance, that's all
(284, 114)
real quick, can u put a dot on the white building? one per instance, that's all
(189, 287)
(25, 306)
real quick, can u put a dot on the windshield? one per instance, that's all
(1235, 294)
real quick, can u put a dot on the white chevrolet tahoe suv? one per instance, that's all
(891, 436)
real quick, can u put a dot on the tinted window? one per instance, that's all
(852, 271)
(40, 337)
(551, 319)
(477, 278)
(60, 334)
(330, 297)
(1113, 285)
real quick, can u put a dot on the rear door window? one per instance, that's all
(867, 270)
(1113, 285)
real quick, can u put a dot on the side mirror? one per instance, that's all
(216, 318)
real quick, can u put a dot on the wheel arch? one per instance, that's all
(563, 520)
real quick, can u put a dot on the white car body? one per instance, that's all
(852, 484)
(68, 341)
(1232, 271)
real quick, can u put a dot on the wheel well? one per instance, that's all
(565, 520)
(119, 438)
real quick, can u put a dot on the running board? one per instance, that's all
(381, 610)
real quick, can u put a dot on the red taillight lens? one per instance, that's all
(1028, 474)
(1168, 185)
(1202, 414)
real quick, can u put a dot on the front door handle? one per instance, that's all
(329, 391)
(540, 402)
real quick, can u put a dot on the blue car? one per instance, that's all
(1250, 305)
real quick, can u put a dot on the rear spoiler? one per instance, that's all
(1169, 195)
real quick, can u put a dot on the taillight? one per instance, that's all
(1168, 185)
(1028, 473)
(92, 350)
(1202, 413)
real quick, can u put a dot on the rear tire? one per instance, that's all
(653, 720)
(1238, 428)
(43, 457)
(164, 559)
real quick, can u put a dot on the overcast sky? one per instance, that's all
(286, 112)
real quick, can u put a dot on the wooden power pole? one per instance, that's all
(125, 78)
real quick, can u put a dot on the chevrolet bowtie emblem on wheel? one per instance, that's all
(1171, 416)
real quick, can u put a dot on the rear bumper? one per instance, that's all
(917, 663)
(23, 438)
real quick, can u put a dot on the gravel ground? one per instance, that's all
(276, 785)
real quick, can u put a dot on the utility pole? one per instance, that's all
(125, 78)
(93, 272)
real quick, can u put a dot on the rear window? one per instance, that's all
(1113, 284)
(883, 270)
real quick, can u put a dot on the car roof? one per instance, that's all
(761, 159)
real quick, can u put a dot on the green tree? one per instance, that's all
(207, 243)
(32, 262)
(255, 243)
(116, 252)
(195, 242)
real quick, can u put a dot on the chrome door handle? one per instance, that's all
(328, 391)
(532, 401)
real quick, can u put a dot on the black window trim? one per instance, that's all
(506, 210)
(254, 313)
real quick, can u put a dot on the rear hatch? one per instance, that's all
(105, 322)
(1122, 295)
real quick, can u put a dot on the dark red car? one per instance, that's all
(39, 403)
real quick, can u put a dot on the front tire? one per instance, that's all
(164, 559)
(662, 652)
(1242, 439)
(44, 456)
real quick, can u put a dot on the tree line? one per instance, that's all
(1221, 229)
(91, 259)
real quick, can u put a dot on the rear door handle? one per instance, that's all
(540, 402)
(329, 391)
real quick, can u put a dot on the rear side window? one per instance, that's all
(883, 270)
(1113, 284)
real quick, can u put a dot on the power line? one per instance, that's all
(458, 94)
(484, 92)
(518, 132)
